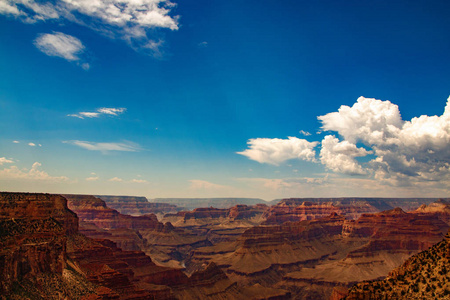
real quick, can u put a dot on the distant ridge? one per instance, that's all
(192, 203)
(407, 204)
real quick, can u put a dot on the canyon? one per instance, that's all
(119, 247)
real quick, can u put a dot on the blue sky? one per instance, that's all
(225, 98)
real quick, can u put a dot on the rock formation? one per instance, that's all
(291, 211)
(43, 256)
(137, 206)
(423, 276)
(309, 258)
(193, 203)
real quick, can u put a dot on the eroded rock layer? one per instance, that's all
(137, 206)
(311, 257)
(42, 256)
(423, 276)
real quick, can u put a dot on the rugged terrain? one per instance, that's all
(193, 203)
(164, 243)
(423, 276)
(43, 256)
(310, 257)
(137, 206)
(299, 209)
(296, 249)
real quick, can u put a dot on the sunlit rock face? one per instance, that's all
(137, 206)
(94, 210)
(33, 235)
(423, 276)
(311, 257)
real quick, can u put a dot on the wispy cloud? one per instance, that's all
(105, 147)
(305, 133)
(132, 21)
(110, 111)
(196, 184)
(32, 144)
(139, 181)
(62, 45)
(203, 44)
(115, 179)
(92, 178)
(4, 160)
(16, 142)
(34, 173)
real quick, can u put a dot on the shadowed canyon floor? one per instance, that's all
(296, 249)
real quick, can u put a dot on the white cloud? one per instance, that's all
(276, 151)
(111, 111)
(16, 142)
(405, 151)
(92, 178)
(4, 160)
(305, 133)
(62, 45)
(139, 181)
(130, 20)
(402, 153)
(340, 156)
(115, 179)
(196, 184)
(375, 121)
(32, 144)
(101, 111)
(105, 147)
(34, 173)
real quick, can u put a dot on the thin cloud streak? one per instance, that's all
(109, 111)
(105, 147)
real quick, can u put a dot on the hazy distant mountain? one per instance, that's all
(192, 203)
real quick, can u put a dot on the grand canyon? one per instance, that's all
(117, 247)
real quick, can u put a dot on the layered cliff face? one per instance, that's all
(193, 203)
(165, 244)
(238, 215)
(440, 208)
(290, 211)
(94, 210)
(423, 276)
(33, 236)
(137, 206)
(43, 256)
(309, 258)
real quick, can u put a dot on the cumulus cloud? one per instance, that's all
(276, 151)
(62, 45)
(130, 20)
(115, 179)
(32, 144)
(16, 142)
(396, 152)
(340, 156)
(4, 160)
(405, 151)
(110, 111)
(32, 174)
(105, 147)
(92, 178)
